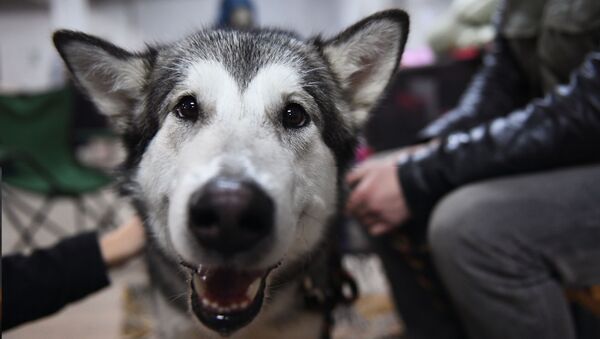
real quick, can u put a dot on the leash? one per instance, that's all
(324, 295)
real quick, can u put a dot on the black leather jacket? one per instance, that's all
(494, 132)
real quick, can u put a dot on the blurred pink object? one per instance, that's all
(363, 152)
(418, 57)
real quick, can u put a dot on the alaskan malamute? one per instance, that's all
(237, 144)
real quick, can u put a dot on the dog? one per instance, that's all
(237, 143)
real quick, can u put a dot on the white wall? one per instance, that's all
(25, 49)
(28, 61)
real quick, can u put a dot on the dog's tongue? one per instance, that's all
(228, 287)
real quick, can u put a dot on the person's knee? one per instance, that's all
(461, 225)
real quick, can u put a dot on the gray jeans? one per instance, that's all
(495, 256)
(506, 248)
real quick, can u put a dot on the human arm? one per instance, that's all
(43, 282)
(561, 129)
(498, 88)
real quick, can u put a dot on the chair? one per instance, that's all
(35, 156)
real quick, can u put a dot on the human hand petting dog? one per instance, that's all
(123, 243)
(377, 200)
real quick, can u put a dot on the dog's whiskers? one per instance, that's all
(178, 296)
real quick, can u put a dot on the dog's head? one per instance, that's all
(237, 142)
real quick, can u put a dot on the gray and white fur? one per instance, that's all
(242, 81)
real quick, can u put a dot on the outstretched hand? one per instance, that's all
(377, 200)
(123, 243)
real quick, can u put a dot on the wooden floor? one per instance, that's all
(96, 317)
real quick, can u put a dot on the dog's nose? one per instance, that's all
(230, 215)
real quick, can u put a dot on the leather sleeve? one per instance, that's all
(497, 89)
(561, 129)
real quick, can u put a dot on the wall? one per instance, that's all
(28, 61)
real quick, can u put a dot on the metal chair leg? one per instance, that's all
(24, 235)
(80, 212)
(35, 224)
(28, 209)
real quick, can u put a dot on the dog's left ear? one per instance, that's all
(366, 56)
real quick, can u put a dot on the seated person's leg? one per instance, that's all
(419, 296)
(506, 248)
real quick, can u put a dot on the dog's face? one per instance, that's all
(237, 142)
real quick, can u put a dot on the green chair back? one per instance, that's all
(34, 145)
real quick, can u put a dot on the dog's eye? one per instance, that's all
(187, 108)
(294, 116)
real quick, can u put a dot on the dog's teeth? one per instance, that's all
(253, 289)
(244, 304)
(199, 285)
(205, 302)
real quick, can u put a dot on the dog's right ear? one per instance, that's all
(112, 77)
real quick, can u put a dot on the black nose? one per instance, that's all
(230, 215)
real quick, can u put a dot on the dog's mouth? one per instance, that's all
(225, 299)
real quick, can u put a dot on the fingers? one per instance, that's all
(355, 175)
(356, 202)
(379, 228)
(359, 172)
(374, 225)
(368, 219)
(374, 201)
(357, 206)
(123, 243)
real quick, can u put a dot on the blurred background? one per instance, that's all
(28, 61)
(57, 152)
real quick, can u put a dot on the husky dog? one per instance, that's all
(237, 144)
